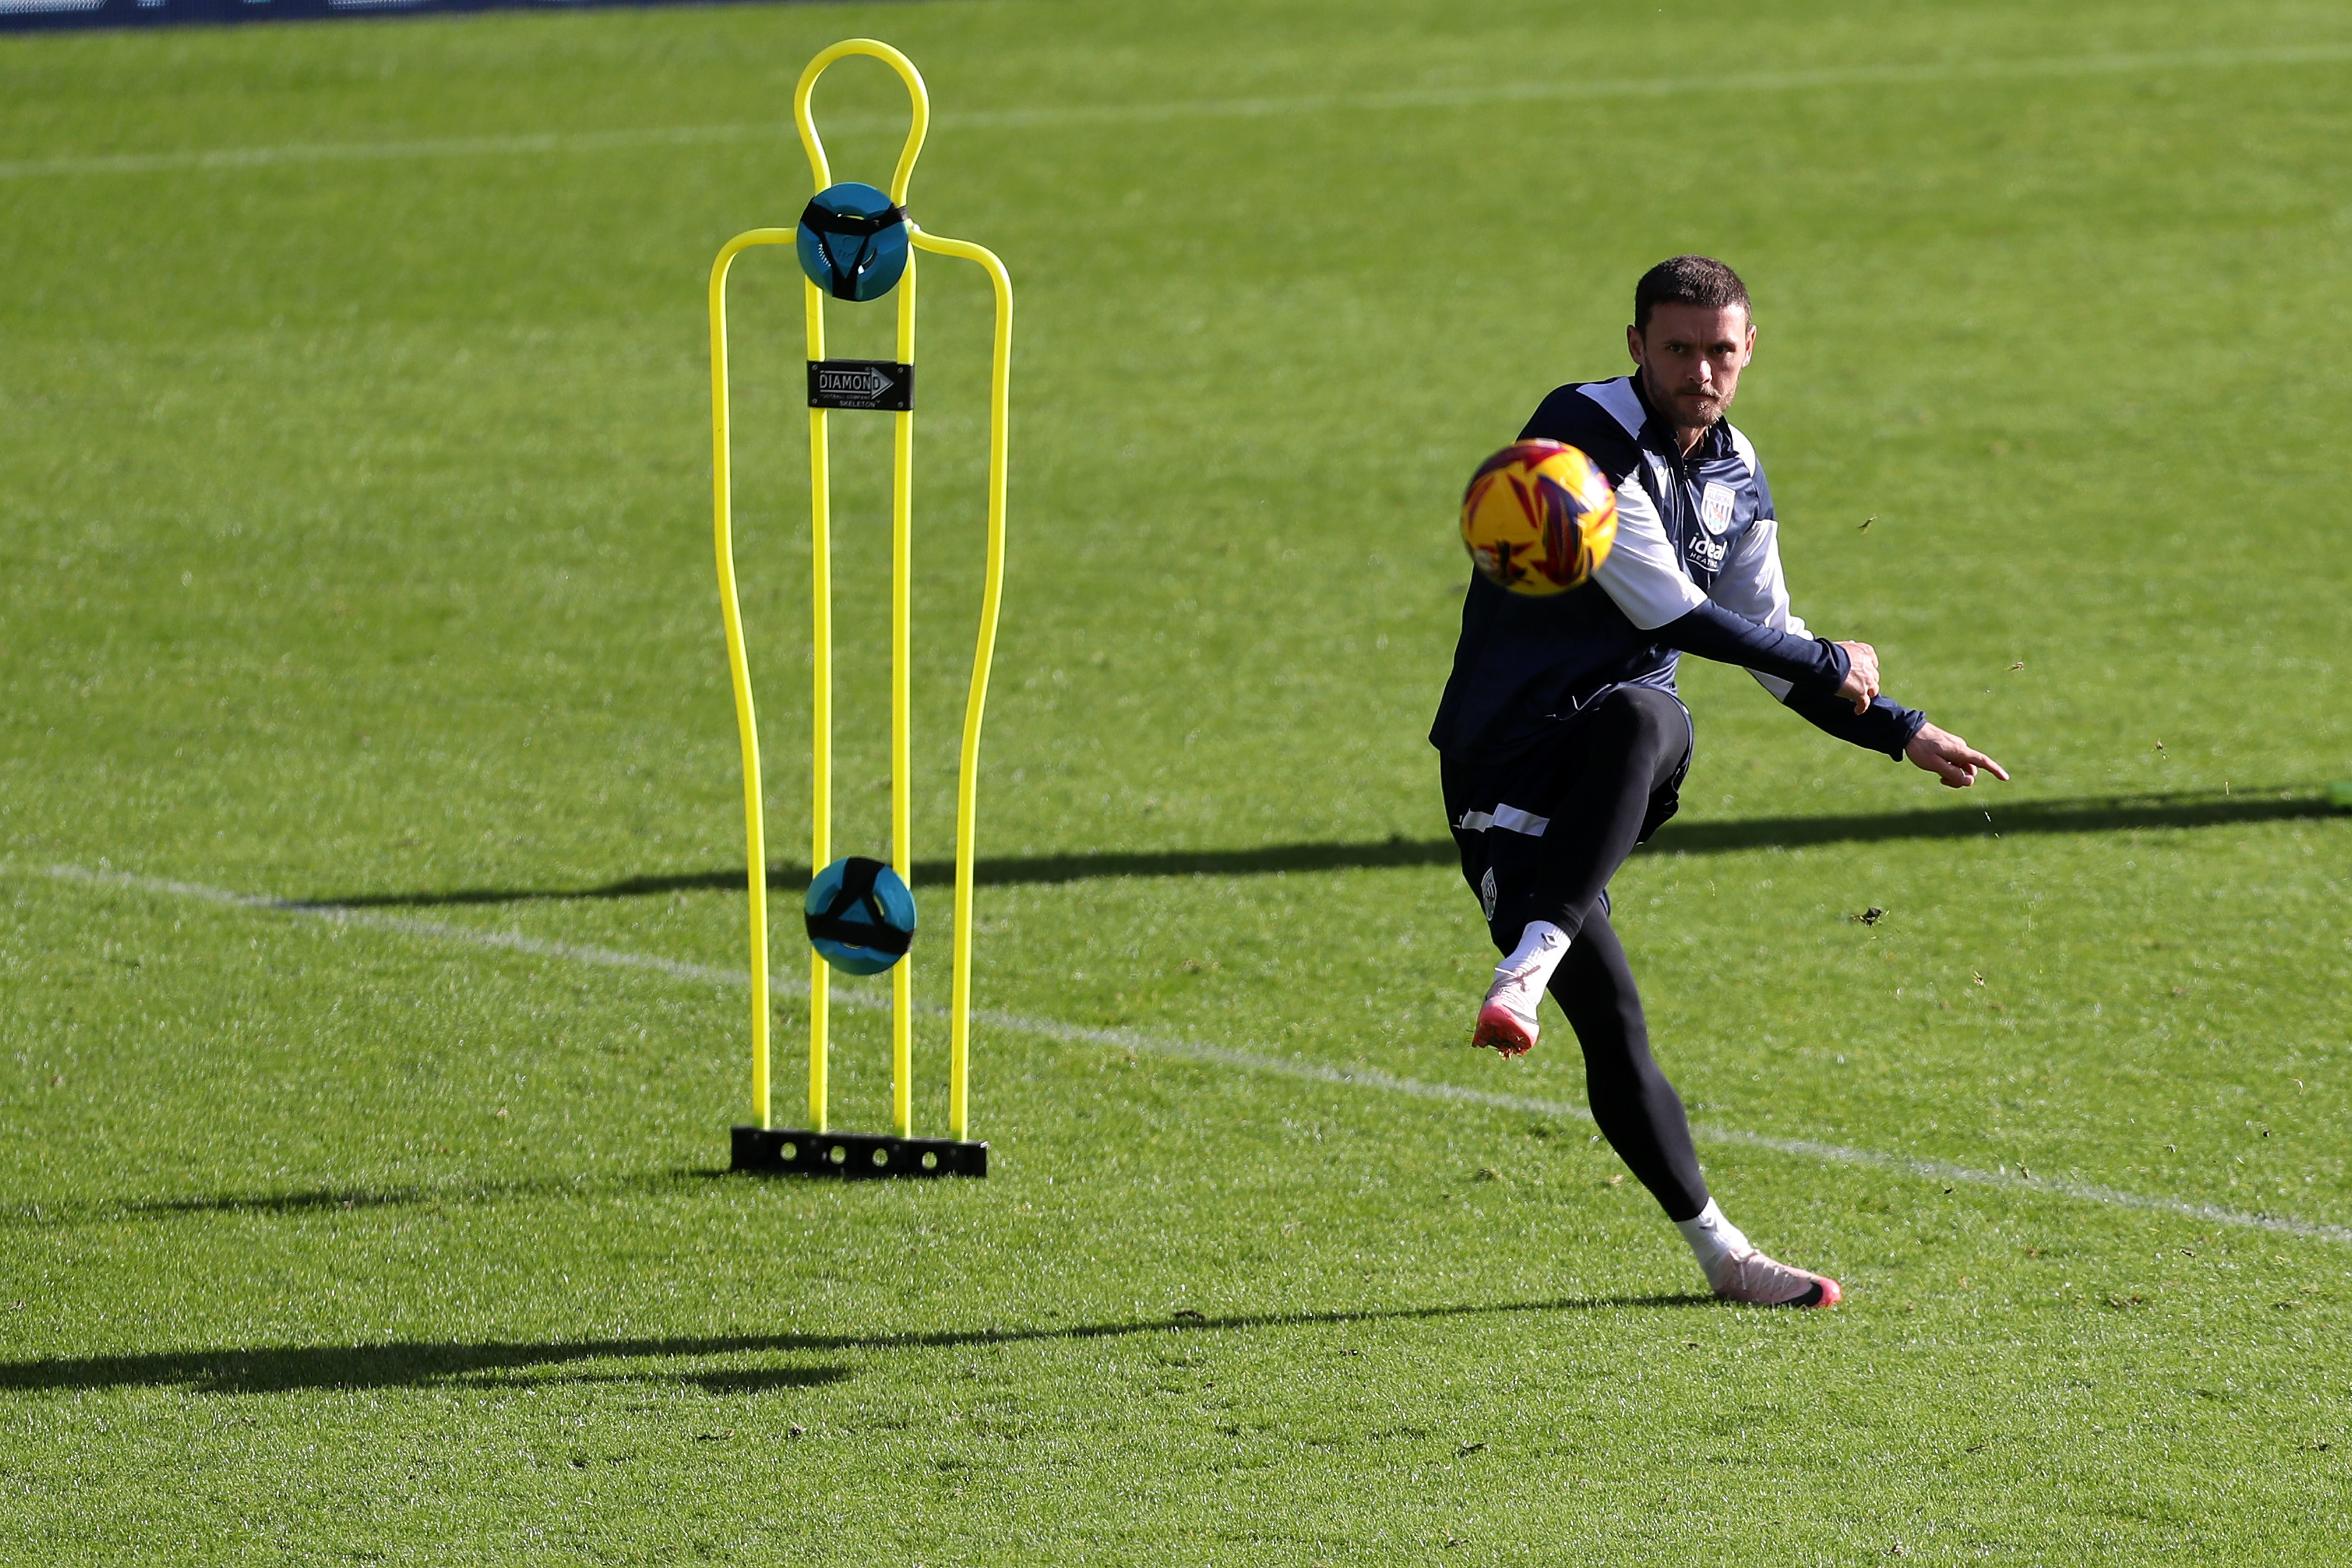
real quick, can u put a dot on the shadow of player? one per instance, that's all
(1987, 818)
(279, 1369)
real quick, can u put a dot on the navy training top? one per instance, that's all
(1695, 569)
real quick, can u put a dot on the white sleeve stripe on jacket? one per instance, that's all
(1618, 398)
(1751, 584)
(1642, 574)
(1747, 450)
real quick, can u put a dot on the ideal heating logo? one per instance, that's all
(861, 383)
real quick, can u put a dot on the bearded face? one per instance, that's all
(1690, 358)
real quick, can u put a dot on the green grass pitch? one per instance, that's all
(355, 550)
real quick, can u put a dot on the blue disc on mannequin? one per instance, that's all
(852, 241)
(860, 915)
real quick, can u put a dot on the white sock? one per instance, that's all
(1520, 979)
(1714, 1241)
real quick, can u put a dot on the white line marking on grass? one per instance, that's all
(344, 915)
(1804, 1148)
(1219, 1056)
(533, 143)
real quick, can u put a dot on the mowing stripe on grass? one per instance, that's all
(1431, 98)
(1805, 1148)
(1220, 1056)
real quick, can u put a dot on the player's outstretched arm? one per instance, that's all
(1949, 757)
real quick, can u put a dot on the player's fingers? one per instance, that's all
(1976, 759)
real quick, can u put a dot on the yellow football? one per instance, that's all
(1538, 518)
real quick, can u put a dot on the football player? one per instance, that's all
(1563, 743)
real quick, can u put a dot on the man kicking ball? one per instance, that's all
(1563, 744)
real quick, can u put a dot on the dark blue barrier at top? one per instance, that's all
(40, 16)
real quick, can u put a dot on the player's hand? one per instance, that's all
(1862, 678)
(1949, 757)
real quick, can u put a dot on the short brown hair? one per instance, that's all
(1687, 281)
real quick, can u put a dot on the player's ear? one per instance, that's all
(1633, 343)
(1749, 352)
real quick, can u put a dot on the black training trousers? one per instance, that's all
(1540, 836)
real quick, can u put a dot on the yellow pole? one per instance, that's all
(1000, 402)
(820, 702)
(902, 501)
(902, 662)
(919, 98)
(901, 624)
(739, 667)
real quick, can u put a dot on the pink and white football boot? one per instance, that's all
(1506, 1019)
(1753, 1278)
(1501, 1025)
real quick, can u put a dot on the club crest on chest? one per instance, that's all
(1715, 505)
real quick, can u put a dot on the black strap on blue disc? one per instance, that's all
(857, 875)
(830, 225)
